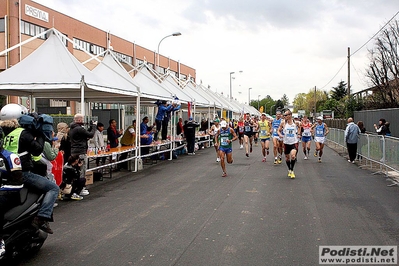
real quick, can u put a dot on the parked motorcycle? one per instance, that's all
(21, 238)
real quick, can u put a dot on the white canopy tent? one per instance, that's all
(52, 72)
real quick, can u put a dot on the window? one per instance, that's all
(2, 25)
(31, 29)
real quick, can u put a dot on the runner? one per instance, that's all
(225, 137)
(255, 130)
(212, 131)
(248, 134)
(264, 126)
(288, 130)
(306, 136)
(320, 131)
(277, 141)
(240, 132)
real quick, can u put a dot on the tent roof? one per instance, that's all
(196, 96)
(149, 86)
(51, 71)
(170, 84)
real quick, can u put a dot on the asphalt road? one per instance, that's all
(182, 212)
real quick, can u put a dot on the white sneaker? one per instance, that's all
(2, 248)
(84, 192)
(241, 147)
(76, 197)
(217, 159)
(306, 157)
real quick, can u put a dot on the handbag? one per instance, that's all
(67, 189)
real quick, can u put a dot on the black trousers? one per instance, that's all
(164, 131)
(190, 144)
(352, 150)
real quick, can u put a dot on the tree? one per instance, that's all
(384, 69)
(300, 102)
(285, 100)
(340, 91)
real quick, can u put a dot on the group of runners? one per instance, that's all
(285, 132)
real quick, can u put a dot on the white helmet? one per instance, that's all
(12, 111)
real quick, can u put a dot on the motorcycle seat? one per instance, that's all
(28, 198)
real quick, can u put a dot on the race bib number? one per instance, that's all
(306, 132)
(290, 133)
(247, 128)
(263, 133)
(224, 142)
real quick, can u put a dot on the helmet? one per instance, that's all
(12, 111)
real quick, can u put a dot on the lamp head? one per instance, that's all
(176, 34)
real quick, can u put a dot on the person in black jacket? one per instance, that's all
(71, 175)
(189, 133)
(79, 137)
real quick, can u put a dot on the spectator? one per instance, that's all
(189, 132)
(381, 128)
(49, 154)
(145, 136)
(360, 124)
(62, 130)
(352, 132)
(113, 134)
(128, 139)
(163, 107)
(65, 145)
(166, 119)
(388, 131)
(179, 127)
(71, 175)
(98, 142)
(79, 143)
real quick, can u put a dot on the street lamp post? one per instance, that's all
(173, 34)
(271, 107)
(231, 87)
(231, 90)
(249, 96)
(258, 102)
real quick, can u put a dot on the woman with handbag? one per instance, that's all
(72, 183)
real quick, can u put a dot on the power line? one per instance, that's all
(335, 74)
(359, 49)
(375, 34)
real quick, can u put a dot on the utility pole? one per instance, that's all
(349, 71)
(315, 105)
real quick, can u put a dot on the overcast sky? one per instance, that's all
(282, 46)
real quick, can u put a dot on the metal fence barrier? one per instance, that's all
(379, 153)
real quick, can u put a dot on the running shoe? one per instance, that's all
(279, 160)
(241, 147)
(76, 197)
(289, 173)
(224, 174)
(217, 159)
(84, 192)
(264, 159)
(292, 174)
(315, 154)
(275, 161)
(306, 157)
(247, 154)
(319, 159)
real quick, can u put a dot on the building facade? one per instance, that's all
(23, 19)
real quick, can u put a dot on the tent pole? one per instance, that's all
(82, 96)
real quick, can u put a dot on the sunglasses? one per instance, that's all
(286, 114)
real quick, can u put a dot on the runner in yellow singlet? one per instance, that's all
(264, 127)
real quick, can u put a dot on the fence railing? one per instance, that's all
(374, 151)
